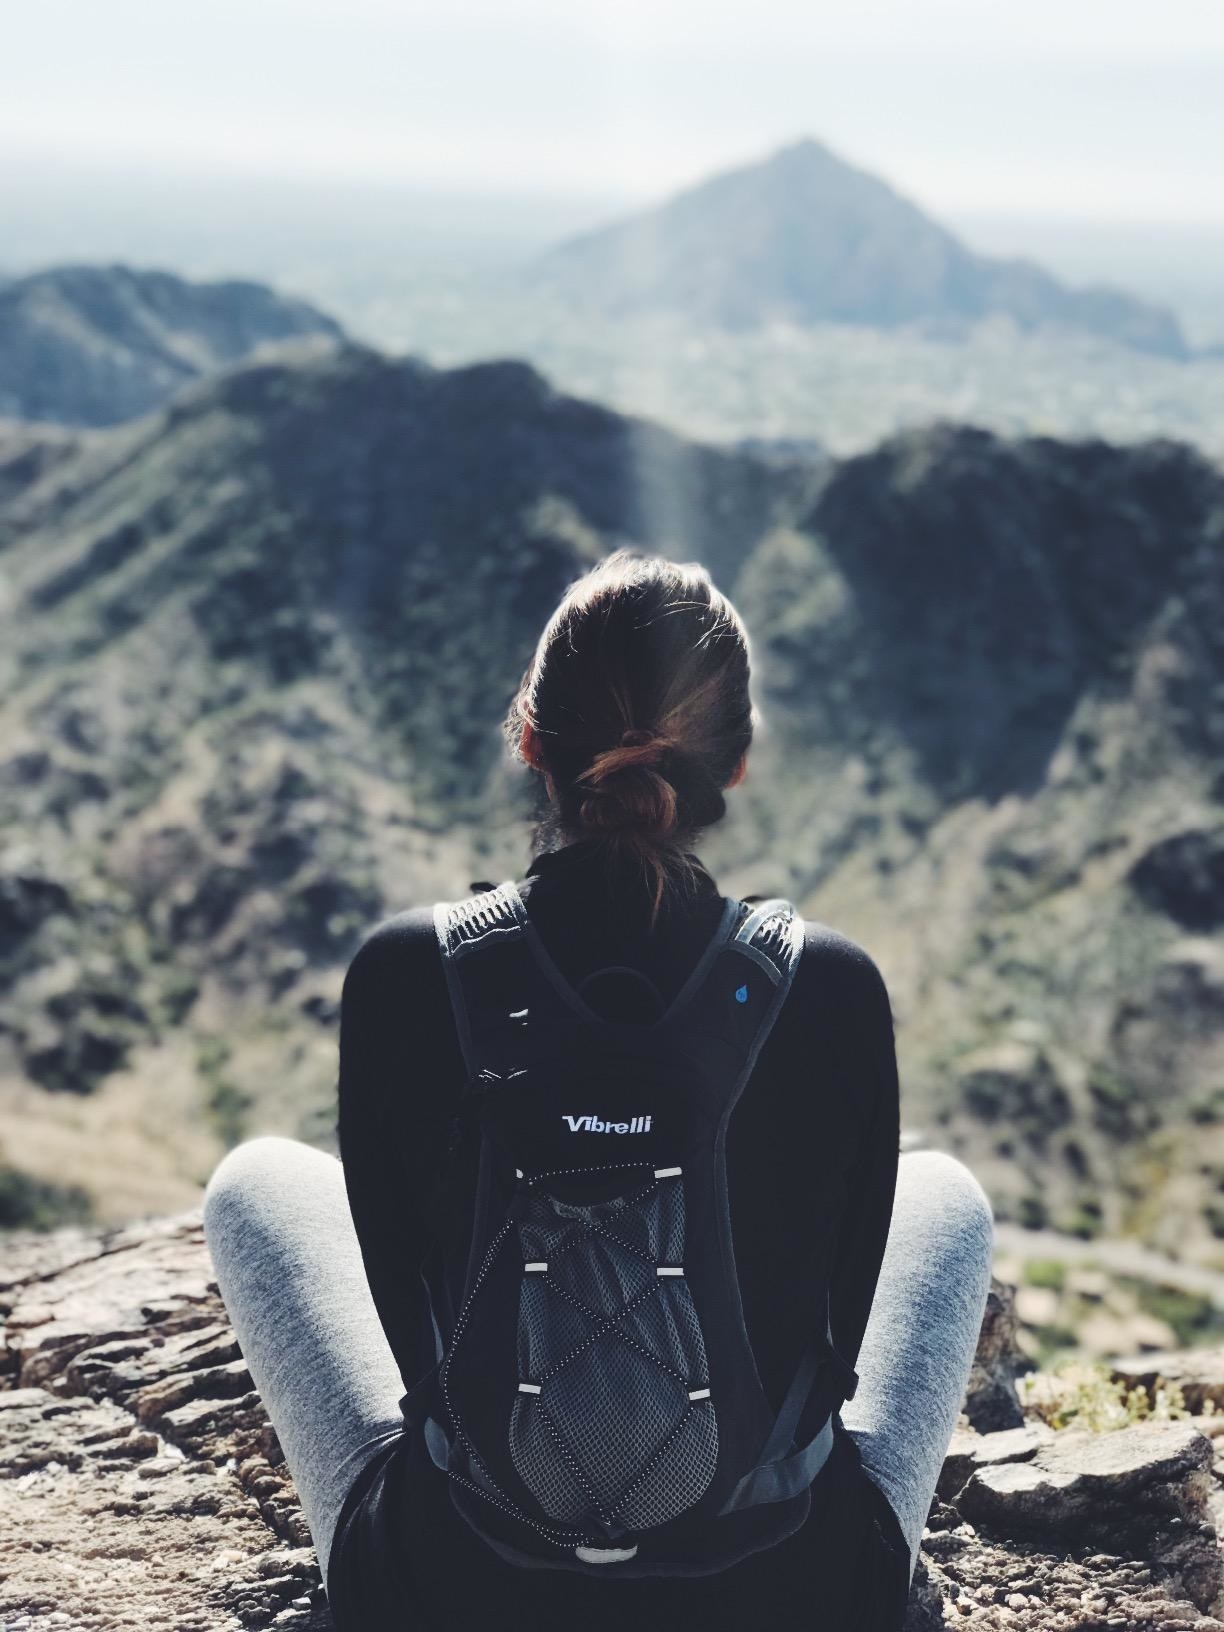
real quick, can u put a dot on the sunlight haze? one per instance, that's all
(1109, 111)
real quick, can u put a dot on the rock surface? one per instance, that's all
(1137, 1492)
(1200, 1375)
(141, 1485)
(990, 1401)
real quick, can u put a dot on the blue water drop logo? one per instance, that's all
(741, 994)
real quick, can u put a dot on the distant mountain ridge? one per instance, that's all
(254, 653)
(805, 237)
(95, 345)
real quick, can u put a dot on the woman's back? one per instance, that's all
(812, 1148)
(635, 711)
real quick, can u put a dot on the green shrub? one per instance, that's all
(1047, 1272)
(1210, 1109)
(1115, 1107)
(1054, 1343)
(28, 1203)
(227, 1104)
(1032, 1211)
(1085, 1221)
(1192, 1315)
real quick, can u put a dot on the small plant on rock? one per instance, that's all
(1076, 1393)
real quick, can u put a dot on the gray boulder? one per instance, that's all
(991, 1402)
(1140, 1492)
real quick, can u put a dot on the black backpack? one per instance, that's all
(594, 1401)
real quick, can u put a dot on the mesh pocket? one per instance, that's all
(605, 1431)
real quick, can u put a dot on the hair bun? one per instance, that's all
(637, 638)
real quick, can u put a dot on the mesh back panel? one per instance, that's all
(691, 1450)
(612, 1439)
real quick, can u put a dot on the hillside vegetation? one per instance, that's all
(93, 345)
(254, 654)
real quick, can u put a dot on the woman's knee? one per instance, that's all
(941, 1182)
(242, 1177)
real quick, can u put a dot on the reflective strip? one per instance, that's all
(605, 1555)
(535, 1269)
(667, 1172)
(699, 1393)
(529, 1388)
(669, 1269)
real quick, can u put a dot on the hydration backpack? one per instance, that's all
(594, 1402)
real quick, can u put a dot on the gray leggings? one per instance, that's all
(287, 1260)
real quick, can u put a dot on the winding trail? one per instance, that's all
(1122, 1257)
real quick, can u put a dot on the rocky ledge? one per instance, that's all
(142, 1487)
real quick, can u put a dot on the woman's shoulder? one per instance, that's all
(395, 948)
(836, 966)
(395, 1013)
(404, 940)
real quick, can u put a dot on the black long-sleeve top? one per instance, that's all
(814, 1137)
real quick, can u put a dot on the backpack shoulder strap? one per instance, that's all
(771, 939)
(731, 1015)
(739, 991)
(480, 939)
(477, 938)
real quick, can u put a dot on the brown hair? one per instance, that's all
(638, 696)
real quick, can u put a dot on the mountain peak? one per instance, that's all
(804, 150)
(805, 237)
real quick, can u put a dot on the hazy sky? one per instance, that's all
(1111, 109)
